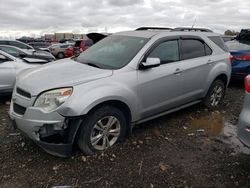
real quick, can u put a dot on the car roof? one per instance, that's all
(152, 33)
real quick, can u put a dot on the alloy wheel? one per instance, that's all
(216, 95)
(105, 133)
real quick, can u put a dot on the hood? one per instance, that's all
(63, 73)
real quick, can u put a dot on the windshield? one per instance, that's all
(113, 52)
(236, 45)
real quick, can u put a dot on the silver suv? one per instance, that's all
(128, 78)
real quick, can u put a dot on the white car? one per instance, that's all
(10, 67)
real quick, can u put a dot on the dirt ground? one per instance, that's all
(194, 147)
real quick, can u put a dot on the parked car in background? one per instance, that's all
(17, 44)
(19, 53)
(128, 78)
(227, 38)
(80, 46)
(240, 51)
(244, 119)
(84, 44)
(59, 50)
(40, 46)
(10, 67)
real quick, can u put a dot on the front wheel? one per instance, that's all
(101, 130)
(215, 94)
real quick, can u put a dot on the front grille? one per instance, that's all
(23, 93)
(19, 109)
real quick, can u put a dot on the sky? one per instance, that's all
(37, 17)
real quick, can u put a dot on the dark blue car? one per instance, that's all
(240, 51)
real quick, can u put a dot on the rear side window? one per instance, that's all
(18, 45)
(167, 52)
(192, 48)
(219, 42)
(3, 43)
(12, 51)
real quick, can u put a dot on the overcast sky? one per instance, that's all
(36, 17)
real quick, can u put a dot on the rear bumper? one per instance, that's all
(52, 132)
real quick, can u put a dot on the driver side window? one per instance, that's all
(167, 52)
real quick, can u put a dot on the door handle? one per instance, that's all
(209, 62)
(178, 71)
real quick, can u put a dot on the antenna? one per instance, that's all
(194, 22)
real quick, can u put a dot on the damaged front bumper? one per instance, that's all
(51, 131)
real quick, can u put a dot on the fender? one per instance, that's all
(85, 100)
(217, 70)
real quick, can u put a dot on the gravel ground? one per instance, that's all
(194, 147)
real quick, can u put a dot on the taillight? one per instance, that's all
(242, 58)
(231, 59)
(247, 84)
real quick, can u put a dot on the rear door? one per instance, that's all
(197, 60)
(7, 74)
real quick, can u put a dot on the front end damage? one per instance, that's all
(58, 139)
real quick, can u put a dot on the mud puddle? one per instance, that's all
(215, 125)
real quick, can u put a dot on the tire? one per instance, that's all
(215, 94)
(60, 55)
(94, 136)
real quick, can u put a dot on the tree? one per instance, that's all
(229, 32)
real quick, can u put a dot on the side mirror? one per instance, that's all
(150, 63)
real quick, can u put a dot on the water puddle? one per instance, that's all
(215, 125)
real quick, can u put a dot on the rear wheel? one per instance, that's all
(101, 130)
(60, 55)
(215, 94)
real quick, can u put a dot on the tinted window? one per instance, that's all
(192, 48)
(219, 42)
(167, 52)
(3, 43)
(208, 50)
(11, 51)
(18, 45)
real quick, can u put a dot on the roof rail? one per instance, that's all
(153, 28)
(192, 29)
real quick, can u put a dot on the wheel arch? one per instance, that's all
(115, 103)
(223, 77)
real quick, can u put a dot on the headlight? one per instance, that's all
(52, 99)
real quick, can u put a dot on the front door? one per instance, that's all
(161, 88)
